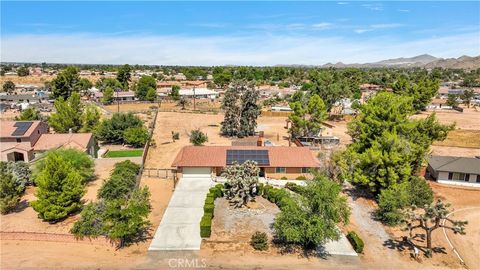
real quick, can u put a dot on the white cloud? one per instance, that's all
(252, 49)
(362, 30)
(342, 3)
(386, 25)
(373, 6)
(403, 10)
(322, 25)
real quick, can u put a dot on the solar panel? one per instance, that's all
(22, 127)
(240, 156)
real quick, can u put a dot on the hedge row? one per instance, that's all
(294, 187)
(278, 196)
(356, 241)
(208, 208)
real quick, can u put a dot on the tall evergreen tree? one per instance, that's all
(124, 75)
(60, 189)
(68, 114)
(250, 112)
(65, 83)
(231, 107)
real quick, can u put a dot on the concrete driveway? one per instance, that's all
(180, 225)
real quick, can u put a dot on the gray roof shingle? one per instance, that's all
(455, 164)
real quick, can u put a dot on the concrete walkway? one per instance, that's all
(340, 247)
(180, 225)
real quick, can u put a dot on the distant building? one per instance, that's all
(23, 140)
(454, 170)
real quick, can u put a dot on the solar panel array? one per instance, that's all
(22, 127)
(240, 156)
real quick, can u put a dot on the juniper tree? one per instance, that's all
(10, 191)
(307, 117)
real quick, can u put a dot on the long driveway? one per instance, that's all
(180, 225)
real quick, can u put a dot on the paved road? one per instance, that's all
(180, 225)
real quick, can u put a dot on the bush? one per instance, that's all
(260, 189)
(20, 172)
(209, 200)
(10, 191)
(420, 193)
(356, 241)
(391, 201)
(284, 178)
(80, 161)
(197, 137)
(301, 177)
(206, 225)
(259, 241)
(112, 130)
(135, 136)
(208, 208)
(216, 192)
(122, 181)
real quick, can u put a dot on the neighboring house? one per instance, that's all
(454, 170)
(274, 161)
(198, 93)
(439, 103)
(23, 140)
(117, 96)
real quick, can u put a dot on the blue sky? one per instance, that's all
(239, 33)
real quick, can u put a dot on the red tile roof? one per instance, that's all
(75, 140)
(7, 128)
(216, 156)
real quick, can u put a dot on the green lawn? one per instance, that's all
(124, 153)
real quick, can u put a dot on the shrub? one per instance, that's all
(216, 192)
(208, 208)
(301, 177)
(80, 161)
(420, 193)
(284, 178)
(209, 200)
(206, 225)
(10, 191)
(197, 137)
(122, 181)
(259, 241)
(20, 172)
(112, 130)
(135, 136)
(356, 241)
(391, 201)
(260, 189)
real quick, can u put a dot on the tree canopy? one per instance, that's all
(144, 85)
(124, 75)
(65, 83)
(112, 130)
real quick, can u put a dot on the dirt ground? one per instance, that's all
(468, 119)
(203, 105)
(165, 151)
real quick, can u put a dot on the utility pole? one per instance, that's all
(194, 108)
(118, 101)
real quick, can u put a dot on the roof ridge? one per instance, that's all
(449, 162)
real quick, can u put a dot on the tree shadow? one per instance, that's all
(405, 244)
(288, 248)
(356, 191)
(22, 205)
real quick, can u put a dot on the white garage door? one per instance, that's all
(197, 172)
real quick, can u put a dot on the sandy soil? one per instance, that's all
(166, 150)
(468, 119)
(201, 105)
(454, 151)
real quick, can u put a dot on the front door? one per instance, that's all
(18, 156)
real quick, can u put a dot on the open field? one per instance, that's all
(461, 138)
(202, 105)
(124, 153)
(468, 119)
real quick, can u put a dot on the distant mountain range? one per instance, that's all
(424, 60)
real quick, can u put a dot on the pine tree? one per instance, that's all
(10, 191)
(250, 112)
(232, 111)
(60, 189)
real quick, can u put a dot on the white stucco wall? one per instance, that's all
(472, 181)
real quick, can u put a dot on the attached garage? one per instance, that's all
(196, 172)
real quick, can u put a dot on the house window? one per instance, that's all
(458, 176)
(305, 170)
(478, 178)
(19, 140)
(280, 170)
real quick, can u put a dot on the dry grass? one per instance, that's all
(461, 138)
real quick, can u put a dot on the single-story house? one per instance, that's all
(274, 161)
(23, 140)
(454, 170)
(117, 96)
(198, 93)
